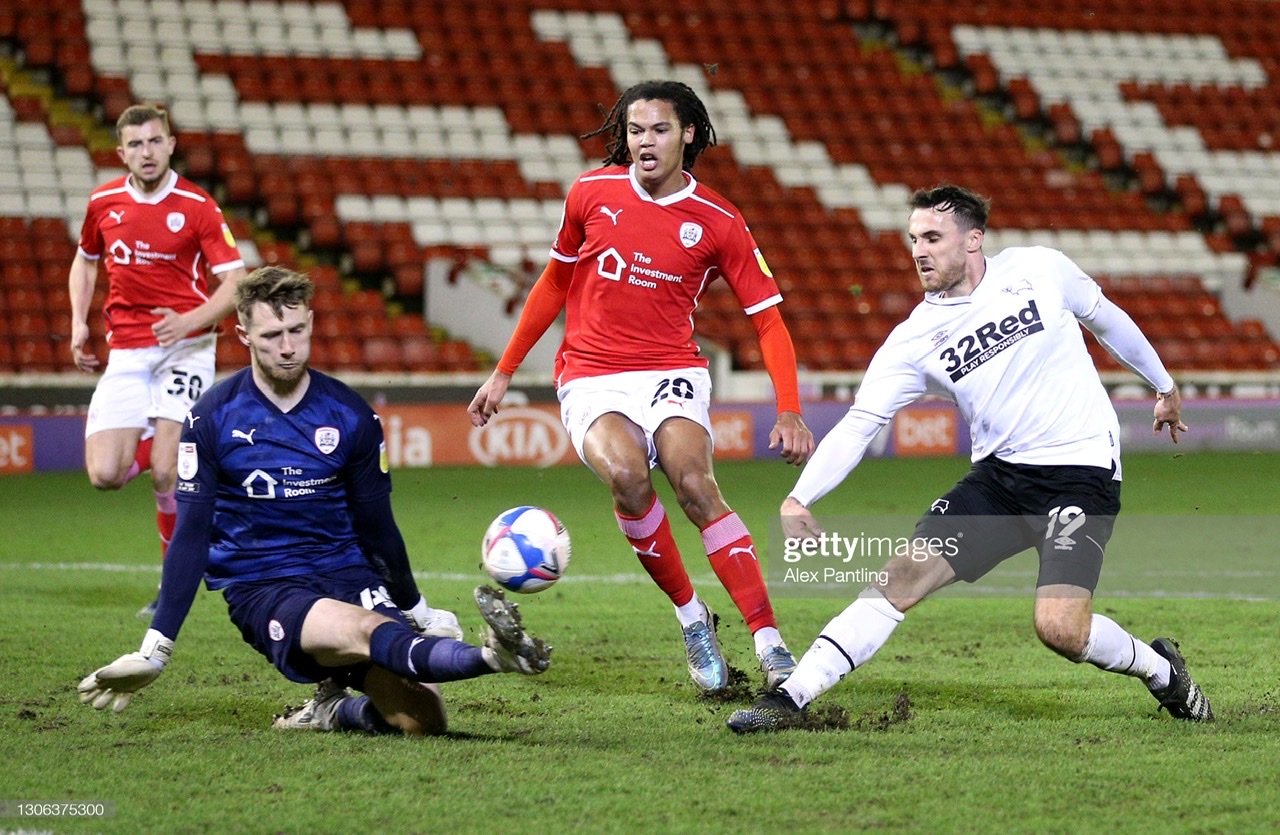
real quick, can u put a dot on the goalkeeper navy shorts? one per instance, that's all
(269, 615)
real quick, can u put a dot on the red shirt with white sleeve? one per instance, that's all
(158, 249)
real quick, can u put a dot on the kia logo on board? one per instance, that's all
(520, 436)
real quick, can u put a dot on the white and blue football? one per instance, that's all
(526, 549)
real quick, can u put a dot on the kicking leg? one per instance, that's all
(848, 641)
(1065, 622)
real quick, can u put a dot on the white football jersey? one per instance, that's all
(1012, 357)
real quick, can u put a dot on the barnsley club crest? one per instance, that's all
(327, 439)
(175, 221)
(690, 234)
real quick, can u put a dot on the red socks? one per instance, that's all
(166, 518)
(729, 548)
(141, 460)
(733, 558)
(651, 539)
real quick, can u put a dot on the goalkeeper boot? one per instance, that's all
(512, 648)
(771, 712)
(777, 663)
(706, 662)
(1182, 697)
(319, 713)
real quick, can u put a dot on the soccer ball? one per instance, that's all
(526, 549)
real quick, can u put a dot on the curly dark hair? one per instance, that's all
(689, 110)
(969, 208)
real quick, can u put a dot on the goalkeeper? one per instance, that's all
(284, 505)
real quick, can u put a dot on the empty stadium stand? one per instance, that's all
(356, 139)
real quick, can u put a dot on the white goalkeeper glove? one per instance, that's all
(116, 683)
(433, 623)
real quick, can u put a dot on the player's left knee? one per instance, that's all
(699, 497)
(1063, 636)
(163, 480)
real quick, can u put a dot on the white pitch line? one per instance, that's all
(978, 591)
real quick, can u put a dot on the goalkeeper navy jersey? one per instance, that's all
(281, 481)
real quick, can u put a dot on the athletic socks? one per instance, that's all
(850, 639)
(395, 647)
(357, 713)
(691, 612)
(141, 460)
(1113, 649)
(166, 519)
(767, 637)
(651, 539)
(733, 559)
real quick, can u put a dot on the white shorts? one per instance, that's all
(142, 384)
(646, 398)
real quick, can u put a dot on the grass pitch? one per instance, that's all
(962, 722)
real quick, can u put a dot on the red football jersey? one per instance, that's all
(641, 266)
(158, 248)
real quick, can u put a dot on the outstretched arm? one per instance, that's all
(779, 353)
(184, 565)
(544, 304)
(1122, 338)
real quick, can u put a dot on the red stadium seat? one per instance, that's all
(419, 353)
(382, 353)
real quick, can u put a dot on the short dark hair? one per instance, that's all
(140, 114)
(275, 286)
(689, 110)
(969, 208)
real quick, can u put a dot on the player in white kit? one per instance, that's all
(999, 336)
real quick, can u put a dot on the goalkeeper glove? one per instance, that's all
(116, 683)
(434, 623)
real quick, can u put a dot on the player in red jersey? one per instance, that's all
(159, 235)
(640, 242)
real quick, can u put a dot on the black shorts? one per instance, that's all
(1000, 509)
(269, 614)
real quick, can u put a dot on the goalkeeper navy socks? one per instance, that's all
(358, 714)
(395, 647)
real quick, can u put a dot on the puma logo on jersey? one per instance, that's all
(990, 339)
(191, 420)
(117, 216)
(604, 210)
(236, 433)
(652, 551)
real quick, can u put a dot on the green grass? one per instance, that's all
(961, 723)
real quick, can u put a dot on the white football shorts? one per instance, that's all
(142, 384)
(646, 398)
